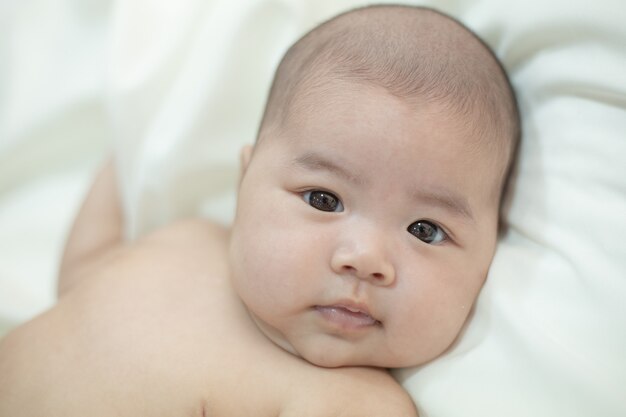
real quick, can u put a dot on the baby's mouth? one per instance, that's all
(347, 317)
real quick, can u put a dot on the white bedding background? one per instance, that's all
(174, 89)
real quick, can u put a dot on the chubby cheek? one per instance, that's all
(269, 270)
(437, 299)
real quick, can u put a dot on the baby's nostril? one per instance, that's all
(378, 275)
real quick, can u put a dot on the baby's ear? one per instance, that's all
(244, 159)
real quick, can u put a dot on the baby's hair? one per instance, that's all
(415, 53)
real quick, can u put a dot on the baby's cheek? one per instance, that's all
(436, 303)
(263, 276)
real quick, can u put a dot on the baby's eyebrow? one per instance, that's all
(318, 162)
(446, 199)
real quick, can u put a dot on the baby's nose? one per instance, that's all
(366, 259)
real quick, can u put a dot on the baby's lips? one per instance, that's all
(348, 316)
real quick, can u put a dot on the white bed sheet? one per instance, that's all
(175, 88)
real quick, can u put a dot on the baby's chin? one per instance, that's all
(330, 360)
(330, 356)
(335, 361)
(336, 357)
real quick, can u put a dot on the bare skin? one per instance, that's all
(154, 329)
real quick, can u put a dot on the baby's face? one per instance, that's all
(365, 230)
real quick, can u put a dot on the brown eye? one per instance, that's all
(323, 200)
(427, 232)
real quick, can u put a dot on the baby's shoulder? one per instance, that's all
(355, 391)
(189, 236)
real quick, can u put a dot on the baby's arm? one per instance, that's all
(97, 230)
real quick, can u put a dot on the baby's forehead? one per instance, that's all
(352, 110)
(338, 101)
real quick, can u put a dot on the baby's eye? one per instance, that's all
(427, 232)
(323, 200)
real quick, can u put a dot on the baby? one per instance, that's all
(366, 222)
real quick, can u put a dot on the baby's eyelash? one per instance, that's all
(323, 200)
(428, 232)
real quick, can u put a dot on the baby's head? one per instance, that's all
(368, 210)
